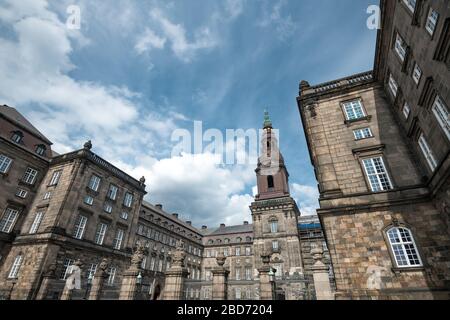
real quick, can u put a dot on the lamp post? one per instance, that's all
(139, 284)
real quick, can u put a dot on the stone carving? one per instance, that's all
(138, 255)
(88, 145)
(179, 255)
(221, 259)
(51, 270)
(74, 279)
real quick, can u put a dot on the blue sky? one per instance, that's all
(137, 70)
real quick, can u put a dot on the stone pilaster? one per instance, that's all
(98, 281)
(175, 276)
(266, 283)
(321, 277)
(130, 283)
(220, 279)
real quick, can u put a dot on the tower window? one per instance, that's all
(270, 182)
(403, 247)
(273, 226)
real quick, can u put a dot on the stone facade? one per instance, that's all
(383, 170)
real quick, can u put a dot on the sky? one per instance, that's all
(136, 71)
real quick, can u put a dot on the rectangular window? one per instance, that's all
(8, 220)
(432, 21)
(21, 193)
(100, 234)
(393, 86)
(152, 263)
(275, 245)
(406, 110)
(112, 276)
(67, 266)
(124, 215)
(363, 133)
(248, 251)
(94, 183)
(88, 200)
(107, 207)
(128, 200)
(17, 137)
(411, 4)
(417, 74)
(400, 47)
(91, 271)
(238, 294)
(354, 110)
(248, 273)
(427, 153)
(225, 252)
(47, 195)
(80, 226)
(442, 115)
(112, 192)
(118, 239)
(377, 174)
(36, 222)
(30, 176)
(238, 251)
(40, 149)
(14, 272)
(274, 226)
(238, 273)
(55, 178)
(5, 163)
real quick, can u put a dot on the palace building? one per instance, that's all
(60, 210)
(379, 142)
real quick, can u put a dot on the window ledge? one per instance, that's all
(350, 122)
(398, 270)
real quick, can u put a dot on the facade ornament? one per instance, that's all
(138, 255)
(104, 265)
(88, 145)
(179, 255)
(395, 221)
(221, 259)
(51, 270)
(142, 180)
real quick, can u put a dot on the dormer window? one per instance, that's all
(17, 136)
(40, 150)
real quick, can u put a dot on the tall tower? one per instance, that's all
(275, 213)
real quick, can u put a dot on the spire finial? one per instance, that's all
(267, 121)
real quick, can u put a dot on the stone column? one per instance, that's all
(266, 283)
(175, 275)
(220, 279)
(130, 283)
(100, 276)
(321, 277)
(47, 279)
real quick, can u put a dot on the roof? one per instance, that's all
(244, 228)
(16, 117)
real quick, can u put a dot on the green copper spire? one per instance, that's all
(267, 121)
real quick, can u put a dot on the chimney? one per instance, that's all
(222, 225)
(204, 227)
(175, 215)
(189, 223)
(245, 223)
(159, 206)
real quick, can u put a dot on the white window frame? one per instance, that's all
(9, 220)
(354, 110)
(55, 178)
(238, 251)
(411, 5)
(94, 182)
(30, 175)
(380, 176)
(417, 73)
(40, 150)
(248, 251)
(88, 200)
(21, 193)
(112, 276)
(393, 85)
(5, 163)
(238, 273)
(363, 133)
(128, 200)
(36, 222)
(100, 233)
(406, 110)
(118, 239)
(427, 152)
(17, 134)
(80, 227)
(273, 226)
(47, 195)
(432, 21)
(112, 192)
(107, 207)
(400, 47)
(275, 245)
(440, 111)
(67, 268)
(124, 215)
(403, 247)
(15, 268)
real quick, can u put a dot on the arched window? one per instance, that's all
(211, 242)
(40, 149)
(227, 240)
(403, 247)
(238, 240)
(17, 136)
(273, 225)
(270, 183)
(248, 239)
(219, 241)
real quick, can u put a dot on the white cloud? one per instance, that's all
(306, 198)
(183, 49)
(234, 7)
(284, 26)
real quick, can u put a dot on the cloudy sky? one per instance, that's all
(137, 70)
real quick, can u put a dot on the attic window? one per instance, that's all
(17, 136)
(40, 149)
